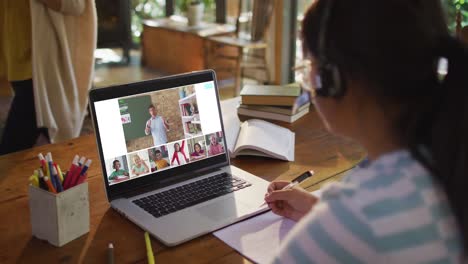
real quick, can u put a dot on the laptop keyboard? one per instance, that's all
(163, 203)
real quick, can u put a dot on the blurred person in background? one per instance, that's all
(46, 53)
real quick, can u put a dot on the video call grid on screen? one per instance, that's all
(188, 116)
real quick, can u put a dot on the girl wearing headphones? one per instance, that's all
(387, 74)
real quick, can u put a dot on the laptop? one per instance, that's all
(164, 157)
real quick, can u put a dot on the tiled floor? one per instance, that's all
(106, 75)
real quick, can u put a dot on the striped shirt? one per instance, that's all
(389, 212)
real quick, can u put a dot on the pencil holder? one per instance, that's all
(59, 218)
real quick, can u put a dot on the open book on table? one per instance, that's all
(255, 137)
(260, 138)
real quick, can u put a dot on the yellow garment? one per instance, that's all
(15, 40)
(162, 163)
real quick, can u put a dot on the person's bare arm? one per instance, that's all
(165, 123)
(292, 203)
(146, 167)
(148, 127)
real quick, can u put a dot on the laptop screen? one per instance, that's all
(159, 132)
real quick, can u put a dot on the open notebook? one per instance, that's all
(256, 137)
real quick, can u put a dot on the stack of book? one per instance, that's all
(275, 102)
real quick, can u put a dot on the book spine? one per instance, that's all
(269, 100)
(260, 114)
(272, 109)
(272, 116)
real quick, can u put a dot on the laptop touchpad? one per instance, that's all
(223, 209)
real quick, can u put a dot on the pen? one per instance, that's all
(42, 183)
(34, 180)
(59, 173)
(73, 167)
(45, 166)
(81, 179)
(58, 186)
(43, 162)
(50, 185)
(72, 177)
(81, 161)
(110, 254)
(50, 165)
(296, 181)
(86, 166)
(149, 250)
(81, 176)
(74, 163)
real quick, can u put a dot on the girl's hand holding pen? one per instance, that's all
(293, 203)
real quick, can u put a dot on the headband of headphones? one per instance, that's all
(330, 81)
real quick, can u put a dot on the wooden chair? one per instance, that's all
(243, 51)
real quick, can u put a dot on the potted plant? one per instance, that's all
(195, 10)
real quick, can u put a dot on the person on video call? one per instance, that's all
(139, 166)
(375, 70)
(198, 152)
(160, 162)
(117, 171)
(215, 147)
(157, 126)
(152, 156)
(179, 154)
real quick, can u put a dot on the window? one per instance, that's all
(145, 9)
(302, 6)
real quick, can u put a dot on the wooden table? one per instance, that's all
(316, 149)
(170, 46)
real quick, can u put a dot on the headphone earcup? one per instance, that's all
(338, 89)
(331, 82)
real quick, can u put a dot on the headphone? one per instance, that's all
(329, 82)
